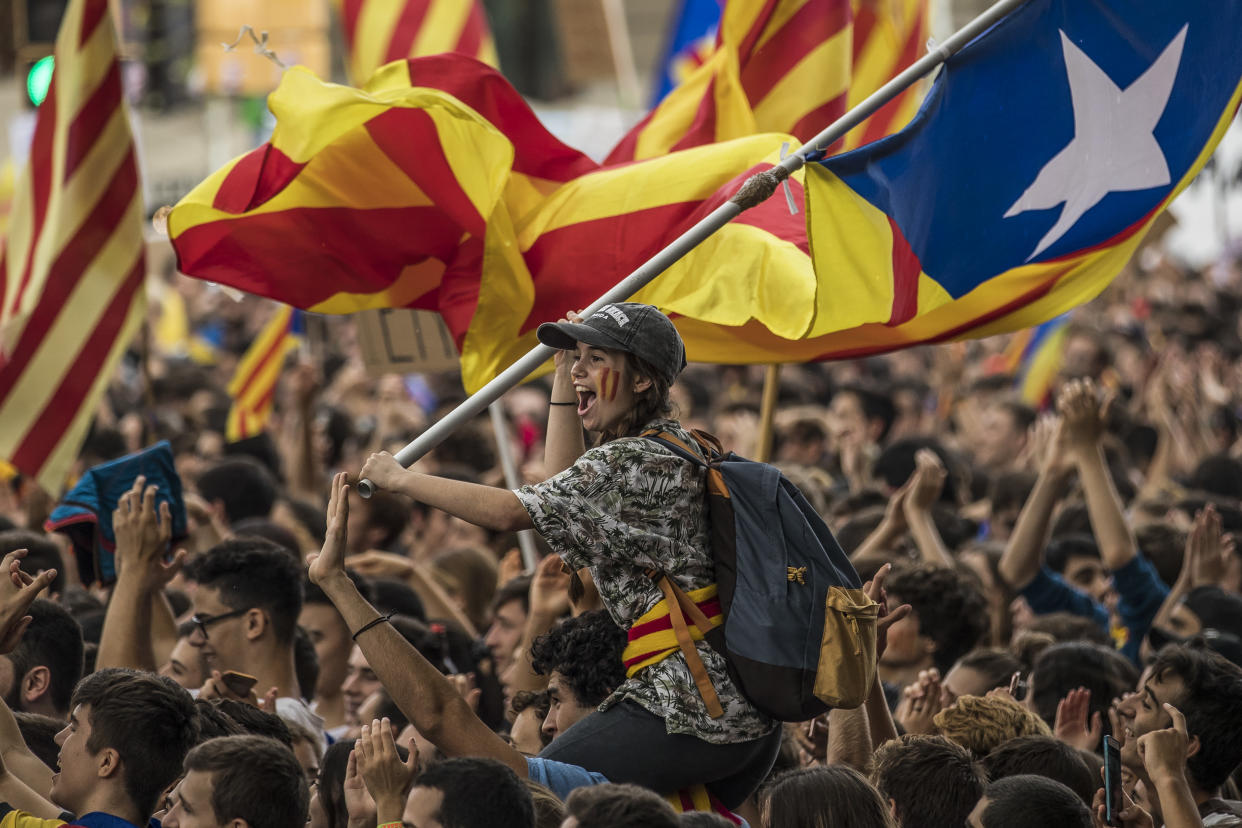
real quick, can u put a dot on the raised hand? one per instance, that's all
(1047, 446)
(386, 776)
(1084, 414)
(927, 481)
(358, 801)
(142, 537)
(1071, 722)
(920, 702)
(549, 588)
(17, 592)
(1164, 751)
(887, 617)
(1206, 550)
(330, 560)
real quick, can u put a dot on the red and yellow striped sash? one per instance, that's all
(652, 637)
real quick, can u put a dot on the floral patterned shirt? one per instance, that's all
(631, 505)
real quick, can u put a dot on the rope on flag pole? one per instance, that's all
(754, 191)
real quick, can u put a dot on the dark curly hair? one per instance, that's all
(1210, 705)
(949, 608)
(586, 651)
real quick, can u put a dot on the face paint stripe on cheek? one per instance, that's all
(611, 381)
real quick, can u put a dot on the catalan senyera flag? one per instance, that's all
(779, 66)
(889, 35)
(72, 269)
(253, 386)
(456, 199)
(8, 181)
(381, 31)
(992, 212)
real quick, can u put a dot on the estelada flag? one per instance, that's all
(72, 267)
(381, 31)
(1044, 152)
(691, 40)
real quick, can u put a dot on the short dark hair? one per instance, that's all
(804, 798)
(256, 722)
(214, 722)
(619, 806)
(1042, 756)
(1029, 801)
(995, 664)
(42, 554)
(252, 778)
(931, 780)
(1071, 664)
(243, 485)
(896, 463)
(53, 640)
(1061, 549)
(1210, 705)
(515, 589)
(148, 719)
(390, 513)
(252, 572)
(875, 404)
(39, 734)
(305, 663)
(394, 596)
(1164, 546)
(1218, 474)
(1010, 490)
(476, 791)
(1064, 626)
(949, 607)
(586, 651)
(268, 529)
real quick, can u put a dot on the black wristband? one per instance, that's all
(375, 622)
(572, 402)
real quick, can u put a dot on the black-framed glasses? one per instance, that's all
(205, 621)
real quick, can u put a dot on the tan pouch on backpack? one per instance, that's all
(847, 661)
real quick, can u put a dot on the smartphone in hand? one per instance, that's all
(238, 683)
(1112, 781)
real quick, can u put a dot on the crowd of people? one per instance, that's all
(1051, 572)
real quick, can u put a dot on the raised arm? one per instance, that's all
(549, 601)
(426, 697)
(486, 506)
(1202, 564)
(1023, 555)
(23, 777)
(1084, 415)
(926, 484)
(564, 443)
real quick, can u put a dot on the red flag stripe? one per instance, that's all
(796, 39)
(268, 356)
(762, 18)
(92, 119)
(814, 122)
(62, 407)
(40, 166)
(406, 27)
(99, 225)
(880, 124)
(350, 10)
(703, 129)
(906, 270)
(91, 17)
(255, 178)
(473, 32)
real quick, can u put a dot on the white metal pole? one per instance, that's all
(500, 426)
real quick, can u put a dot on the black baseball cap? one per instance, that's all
(624, 326)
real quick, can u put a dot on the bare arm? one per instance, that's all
(564, 443)
(430, 700)
(486, 506)
(1023, 555)
(927, 482)
(1084, 416)
(849, 742)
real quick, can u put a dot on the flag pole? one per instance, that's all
(508, 464)
(767, 412)
(754, 191)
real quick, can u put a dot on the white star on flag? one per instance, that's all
(1113, 149)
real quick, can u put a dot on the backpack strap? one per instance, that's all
(677, 446)
(679, 606)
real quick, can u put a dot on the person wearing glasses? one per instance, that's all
(246, 610)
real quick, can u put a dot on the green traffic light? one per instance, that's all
(39, 79)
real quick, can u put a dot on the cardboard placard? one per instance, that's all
(404, 341)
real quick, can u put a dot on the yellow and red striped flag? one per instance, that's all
(253, 386)
(779, 66)
(889, 35)
(72, 269)
(457, 200)
(381, 31)
(7, 176)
